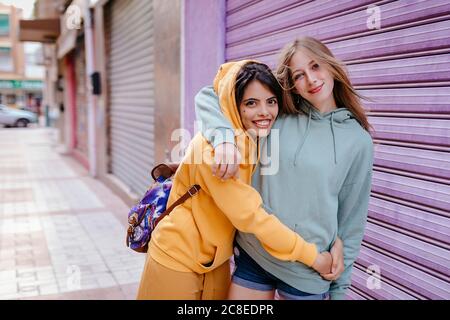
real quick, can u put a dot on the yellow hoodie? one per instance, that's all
(198, 235)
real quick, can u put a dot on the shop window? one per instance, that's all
(6, 61)
(4, 25)
(10, 99)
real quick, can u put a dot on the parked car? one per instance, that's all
(15, 117)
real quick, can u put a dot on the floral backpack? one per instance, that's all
(144, 216)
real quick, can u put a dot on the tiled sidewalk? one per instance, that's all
(62, 232)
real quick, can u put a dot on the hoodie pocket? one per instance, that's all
(211, 264)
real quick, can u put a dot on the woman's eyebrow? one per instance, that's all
(248, 99)
(301, 69)
(297, 70)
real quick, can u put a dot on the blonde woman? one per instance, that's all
(322, 187)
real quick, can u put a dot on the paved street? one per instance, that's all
(62, 233)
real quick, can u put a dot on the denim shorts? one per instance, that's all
(250, 275)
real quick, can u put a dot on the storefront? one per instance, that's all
(22, 94)
(73, 88)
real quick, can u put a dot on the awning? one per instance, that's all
(39, 30)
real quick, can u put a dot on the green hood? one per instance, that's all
(340, 115)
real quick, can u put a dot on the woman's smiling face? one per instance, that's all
(258, 109)
(313, 81)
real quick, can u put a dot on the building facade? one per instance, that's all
(17, 89)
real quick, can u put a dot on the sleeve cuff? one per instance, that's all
(306, 252)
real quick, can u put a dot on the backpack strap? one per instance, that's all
(190, 193)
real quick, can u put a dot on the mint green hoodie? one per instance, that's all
(321, 189)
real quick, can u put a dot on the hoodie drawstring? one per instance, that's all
(334, 138)
(300, 146)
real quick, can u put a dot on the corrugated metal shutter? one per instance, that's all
(130, 67)
(405, 68)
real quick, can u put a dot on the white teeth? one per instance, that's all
(262, 123)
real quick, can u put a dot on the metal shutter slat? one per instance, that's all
(232, 5)
(297, 16)
(424, 100)
(262, 37)
(407, 247)
(262, 8)
(418, 69)
(386, 292)
(407, 218)
(426, 131)
(419, 191)
(134, 102)
(426, 162)
(406, 275)
(132, 126)
(429, 37)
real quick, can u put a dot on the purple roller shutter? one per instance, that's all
(404, 69)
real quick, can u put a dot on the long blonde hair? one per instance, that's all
(344, 93)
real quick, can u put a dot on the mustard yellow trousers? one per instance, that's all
(161, 283)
